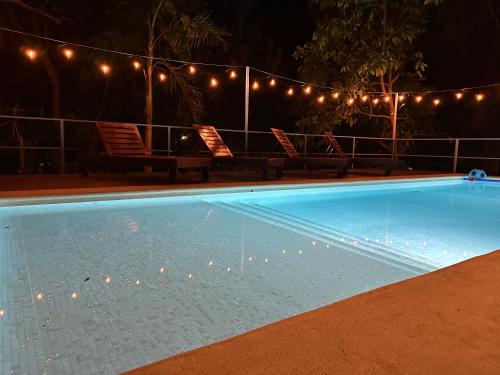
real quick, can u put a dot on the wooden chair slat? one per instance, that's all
(121, 139)
(333, 142)
(285, 143)
(213, 141)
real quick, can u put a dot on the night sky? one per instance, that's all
(460, 46)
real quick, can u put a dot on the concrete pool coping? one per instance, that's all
(446, 321)
(50, 196)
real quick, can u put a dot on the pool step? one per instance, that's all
(326, 235)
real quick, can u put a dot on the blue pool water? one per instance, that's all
(103, 287)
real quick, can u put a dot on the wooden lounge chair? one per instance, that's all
(222, 154)
(386, 163)
(341, 164)
(123, 144)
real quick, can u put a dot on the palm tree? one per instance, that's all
(162, 31)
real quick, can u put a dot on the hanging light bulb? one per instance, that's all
(375, 101)
(192, 69)
(290, 92)
(233, 74)
(68, 53)
(418, 98)
(350, 101)
(136, 64)
(387, 98)
(272, 82)
(364, 98)
(401, 98)
(213, 82)
(436, 102)
(479, 97)
(105, 69)
(335, 95)
(307, 90)
(162, 77)
(459, 95)
(31, 53)
(321, 99)
(255, 85)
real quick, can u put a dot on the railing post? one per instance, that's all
(168, 141)
(247, 105)
(353, 151)
(455, 155)
(305, 144)
(62, 147)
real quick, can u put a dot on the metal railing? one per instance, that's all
(307, 140)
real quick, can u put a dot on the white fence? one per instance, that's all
(453, 145)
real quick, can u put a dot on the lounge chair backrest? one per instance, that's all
(285, 143)
(333, 142)
(121, 139)
(212, 139)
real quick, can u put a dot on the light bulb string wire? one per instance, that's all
(228, 67)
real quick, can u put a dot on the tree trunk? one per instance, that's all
(148, 136)
(148, 105)
(54, 85)
(394, 123)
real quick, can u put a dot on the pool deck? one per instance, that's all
(18, 186)
(444, 322)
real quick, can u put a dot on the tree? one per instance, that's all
(365, 46)
(38, 18)
(172, 29)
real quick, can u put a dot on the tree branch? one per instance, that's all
(374, 115)
(33, 9)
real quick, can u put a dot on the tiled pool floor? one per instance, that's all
(101, 288)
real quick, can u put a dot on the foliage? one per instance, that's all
(178, 30)
(362, 46)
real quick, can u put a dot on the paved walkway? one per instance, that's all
(63, 184)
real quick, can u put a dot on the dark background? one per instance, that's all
(460, 45)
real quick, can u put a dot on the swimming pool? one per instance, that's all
(107, 286)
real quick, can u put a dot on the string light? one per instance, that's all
(162, 77)
(136, 64)
(31, 53)
(68, 53)
(105, 69)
